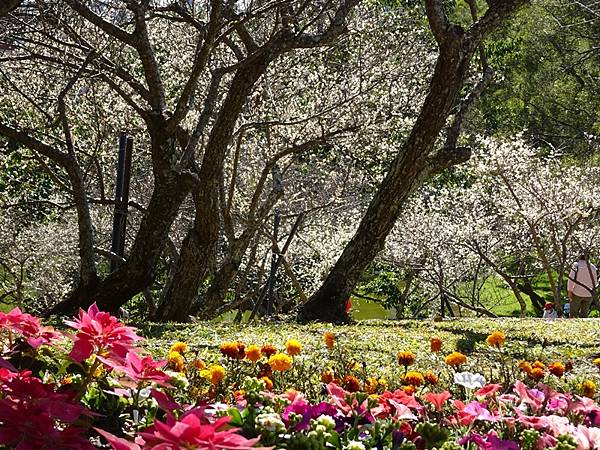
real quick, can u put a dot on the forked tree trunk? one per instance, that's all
(410, 167)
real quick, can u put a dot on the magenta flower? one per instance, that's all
(29, 327)
(191, 432)
(101, 333)
(140, 369)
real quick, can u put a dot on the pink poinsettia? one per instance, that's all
(100, 333)
(29, 327)
(34, 416)
(192, 431)
(140, 369)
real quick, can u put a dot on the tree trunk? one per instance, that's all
(404, 176)
(137, 272)
(198, 249)
(410, 167)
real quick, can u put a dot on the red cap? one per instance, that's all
(549, 305)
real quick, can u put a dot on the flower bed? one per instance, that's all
(95, 385)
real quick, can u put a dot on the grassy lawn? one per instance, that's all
(375, 343)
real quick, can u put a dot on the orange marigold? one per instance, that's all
(525, 366)
(431, 378)
(496, 339)
(179, 347)
(435, 344)
(327, 376)
(233, 350)
(268, 350)
(538, 364)
(588, 388)
(410, 389)
(268, 383)
(406, 358)
(557, 369)
(414, 378)
(537, 373)
(351, 383)
(280, 362)
(293, 347)
(329, 339)
(199, 364)
(455, 359)
(253, 353)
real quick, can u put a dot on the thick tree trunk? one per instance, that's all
(404, 176)
(198, 251)
(411, 166)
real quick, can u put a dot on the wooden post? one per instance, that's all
(121, 197)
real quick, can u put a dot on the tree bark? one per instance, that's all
(410, 167)
(198, 250)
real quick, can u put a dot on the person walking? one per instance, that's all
(580, 287)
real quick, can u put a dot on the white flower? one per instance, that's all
(469, 380)
(326, 421)
(270, 422)
(355, 445)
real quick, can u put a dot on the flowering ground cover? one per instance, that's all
(476, 384)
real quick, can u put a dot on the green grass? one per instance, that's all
(376, 342)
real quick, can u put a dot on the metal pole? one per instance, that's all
(118, 240)
(274, 258)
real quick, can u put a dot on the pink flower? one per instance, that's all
(479, 412)
(140, 369)
(437, 400)
(533, 397)
(191, 431)
(34, 416)
(29, 327)
(103, 334)
(488, 390)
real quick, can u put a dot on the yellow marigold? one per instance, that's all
(280, 362)
(327, 376)
(537, 373)
(410, 389)
(406, 358)
(525, 366)
(557, 369)
(216, 373)
(351, 383)
(179, 347)
(199, 364)
(596, 362)
(253, 353)
(588, 388)
(329, 339)
(233, 350)
(66, 380)
(414, 378)
(455, 359)
(435, 344)
(431, 378)
(496, 339)
(293, 347)
(370, 385)
(383, 383)
(175, 360)
(268, 350)
(268, 383)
